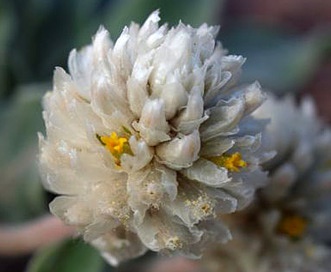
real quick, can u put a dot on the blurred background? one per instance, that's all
(287, 44)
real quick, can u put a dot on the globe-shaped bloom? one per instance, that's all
(148, 140)
(288, 226)
(299, 192)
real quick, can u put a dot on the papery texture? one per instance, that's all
(149, 140)
(287, 226)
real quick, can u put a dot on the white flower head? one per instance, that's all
(300, 182)
(148, 141)
(250, 253)
(288, 226)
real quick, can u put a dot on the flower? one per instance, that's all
(287, 227)
(148, 141)
(300, 182)
(251, 253)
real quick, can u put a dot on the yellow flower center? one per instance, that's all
(116, 145)
(232, 162)
(293, 226)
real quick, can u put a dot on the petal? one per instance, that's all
(254, 97)
(152, 125)
(142, 155)
(159, 231)
(119, 245)
(192, 115)
(244, 185)
(174, 97)
(180, 152)
(111, 108)
(137, 83)
(144, 191)
(216, 147)
(223, 118)
(280, 183)
(207, 173)
(192, 203)
(173, 53)
(72, 210)
(80, 67)
(149, 187)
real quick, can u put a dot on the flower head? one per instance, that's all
(148, 141)
(287, 227)
(300, 181)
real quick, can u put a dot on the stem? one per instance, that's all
(26, 238)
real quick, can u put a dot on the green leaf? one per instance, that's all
(68, 256)
(194, 12)
(39, 42)
(280, 62)
(21, 194)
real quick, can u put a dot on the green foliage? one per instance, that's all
(21, 194)
(281, 62)
(194, 12)
(37, 35)
(68, 256)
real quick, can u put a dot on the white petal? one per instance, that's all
(216, 147)
(148, 188)
(208, 173)
(192, 204)
(80, 67)
(101, 45)
(223, 118)
(112, 109)
(159, 233)
(180, 152)
(145, 192)
(280, 183)
(192, 114)
(174, 52)
(254, 97)
(118, 246)
(150, 25)
(174, 97)
(120, 55)
(72, 210)
(142, 155)
(244, 185)
(137, 89)
(152, 125)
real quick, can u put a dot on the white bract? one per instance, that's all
(288, 226)
(148, 141)
(252, 253)
(300, 182)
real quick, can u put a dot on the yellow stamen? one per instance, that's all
(232, 162)
(116, 145)
(293, 226)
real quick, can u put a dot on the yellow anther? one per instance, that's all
(293, 226)
(232, 162)
(116, 145)
(173, 243)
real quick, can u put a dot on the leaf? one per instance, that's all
(280, 62)
(40, 42)
(194, 12)
(21, 194)
(67, 256)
